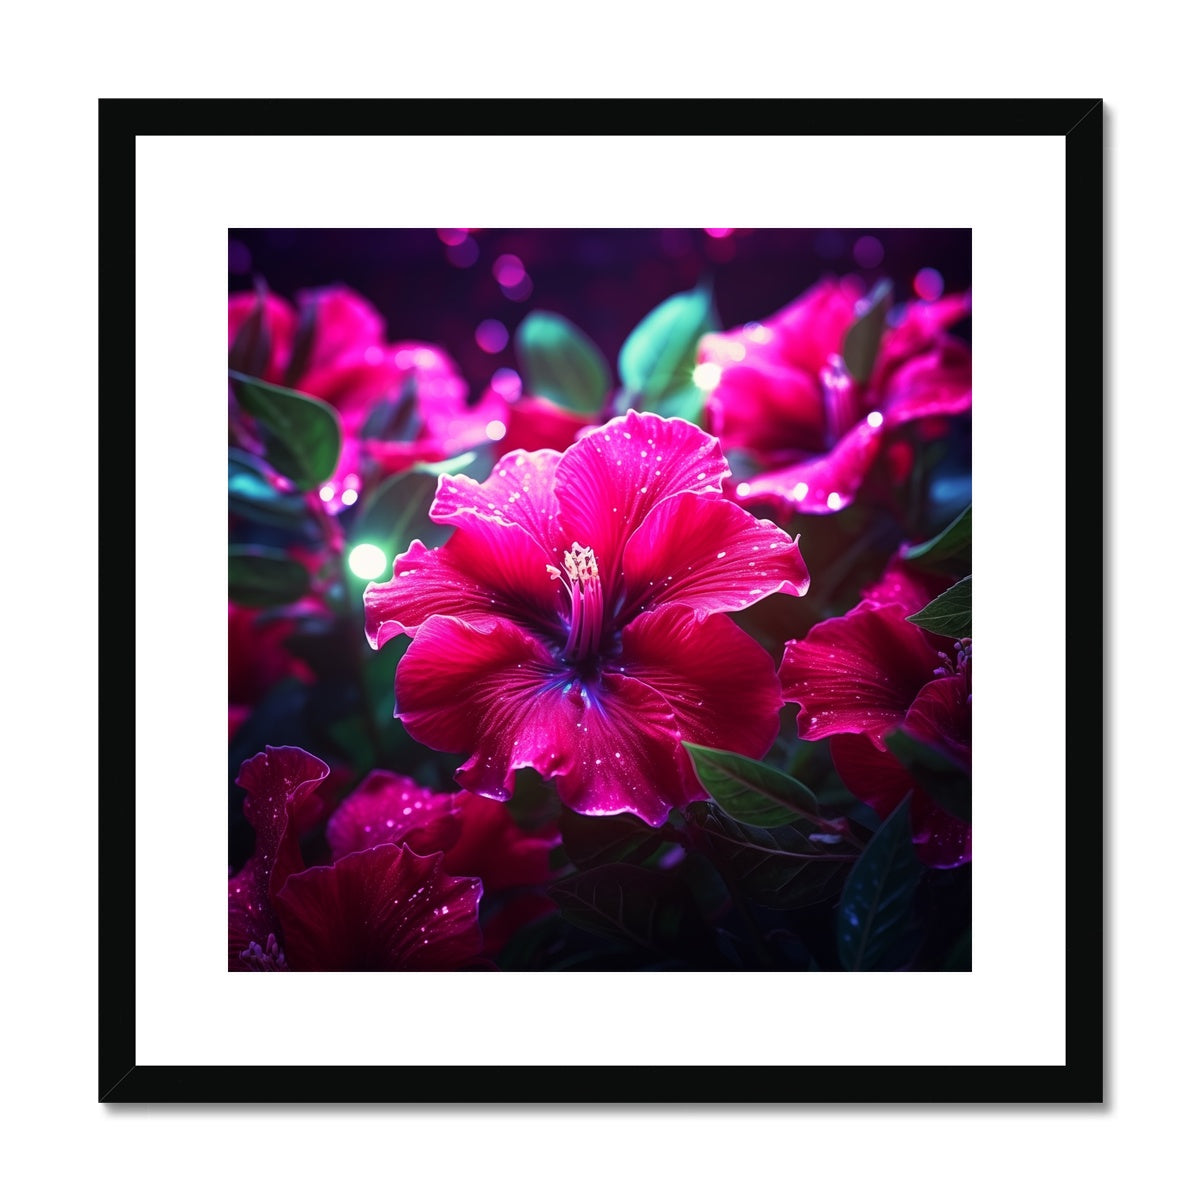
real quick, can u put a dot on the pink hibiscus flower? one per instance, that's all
(783, 394)
(381, 908)
(574, 621)
(334, 348)
(859, 677)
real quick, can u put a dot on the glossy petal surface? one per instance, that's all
(381, 909)
(610, 479)
(857, 674)
(390, 808)
(710, 555)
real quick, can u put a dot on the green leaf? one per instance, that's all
(947, 784)
(952, 545)
(658, 358)
(397, 512)
(861, 345)
(948, 614)
(752, 792)
(559, 362)
(458, 465)
(253, 496)
(590, 841)
(650, 909)
(301, 435)
(262, 578)
(778, 868)
(878, 897)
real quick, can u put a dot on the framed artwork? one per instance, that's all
(600, 603)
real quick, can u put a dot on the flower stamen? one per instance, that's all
(580, 575)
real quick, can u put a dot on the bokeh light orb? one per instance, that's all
(491, 336)
(367, 561)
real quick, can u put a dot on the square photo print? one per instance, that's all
(599, 599)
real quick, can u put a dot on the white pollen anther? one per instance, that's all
(579, 563)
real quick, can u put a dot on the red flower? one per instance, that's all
(538, 424)
(859, 677)
(335, 349)
(783, 393)
(574, 623)
(479, 838)
(385, 907)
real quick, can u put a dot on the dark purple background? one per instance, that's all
(605, 280)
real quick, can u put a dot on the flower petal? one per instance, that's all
(382, 909)
(480, 573)
(344, 322)
(768, 407)
(493, 688)
(281, 785)
(822, 484)
(941, 716)
(879, 779)
(936, 383)
(858, 673)
(905, 586)
(390, 808)
(519, 491)
(280, 324)
(535, 424)
(720, 683)
(610, 479)
(709, 554)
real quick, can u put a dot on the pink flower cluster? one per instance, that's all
(783, 394)
(408, 868)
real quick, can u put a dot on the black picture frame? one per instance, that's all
(1078, 122)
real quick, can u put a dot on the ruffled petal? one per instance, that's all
(857, 674)
(879, 779)
(494, 689)
(423, 582)
(825, 483)
(480, 573)
(519, 491)
(709, 554)
(473, 686)
(382, 909)
(611, 478)
(390, 808)
(719, 682)
(281, 785)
